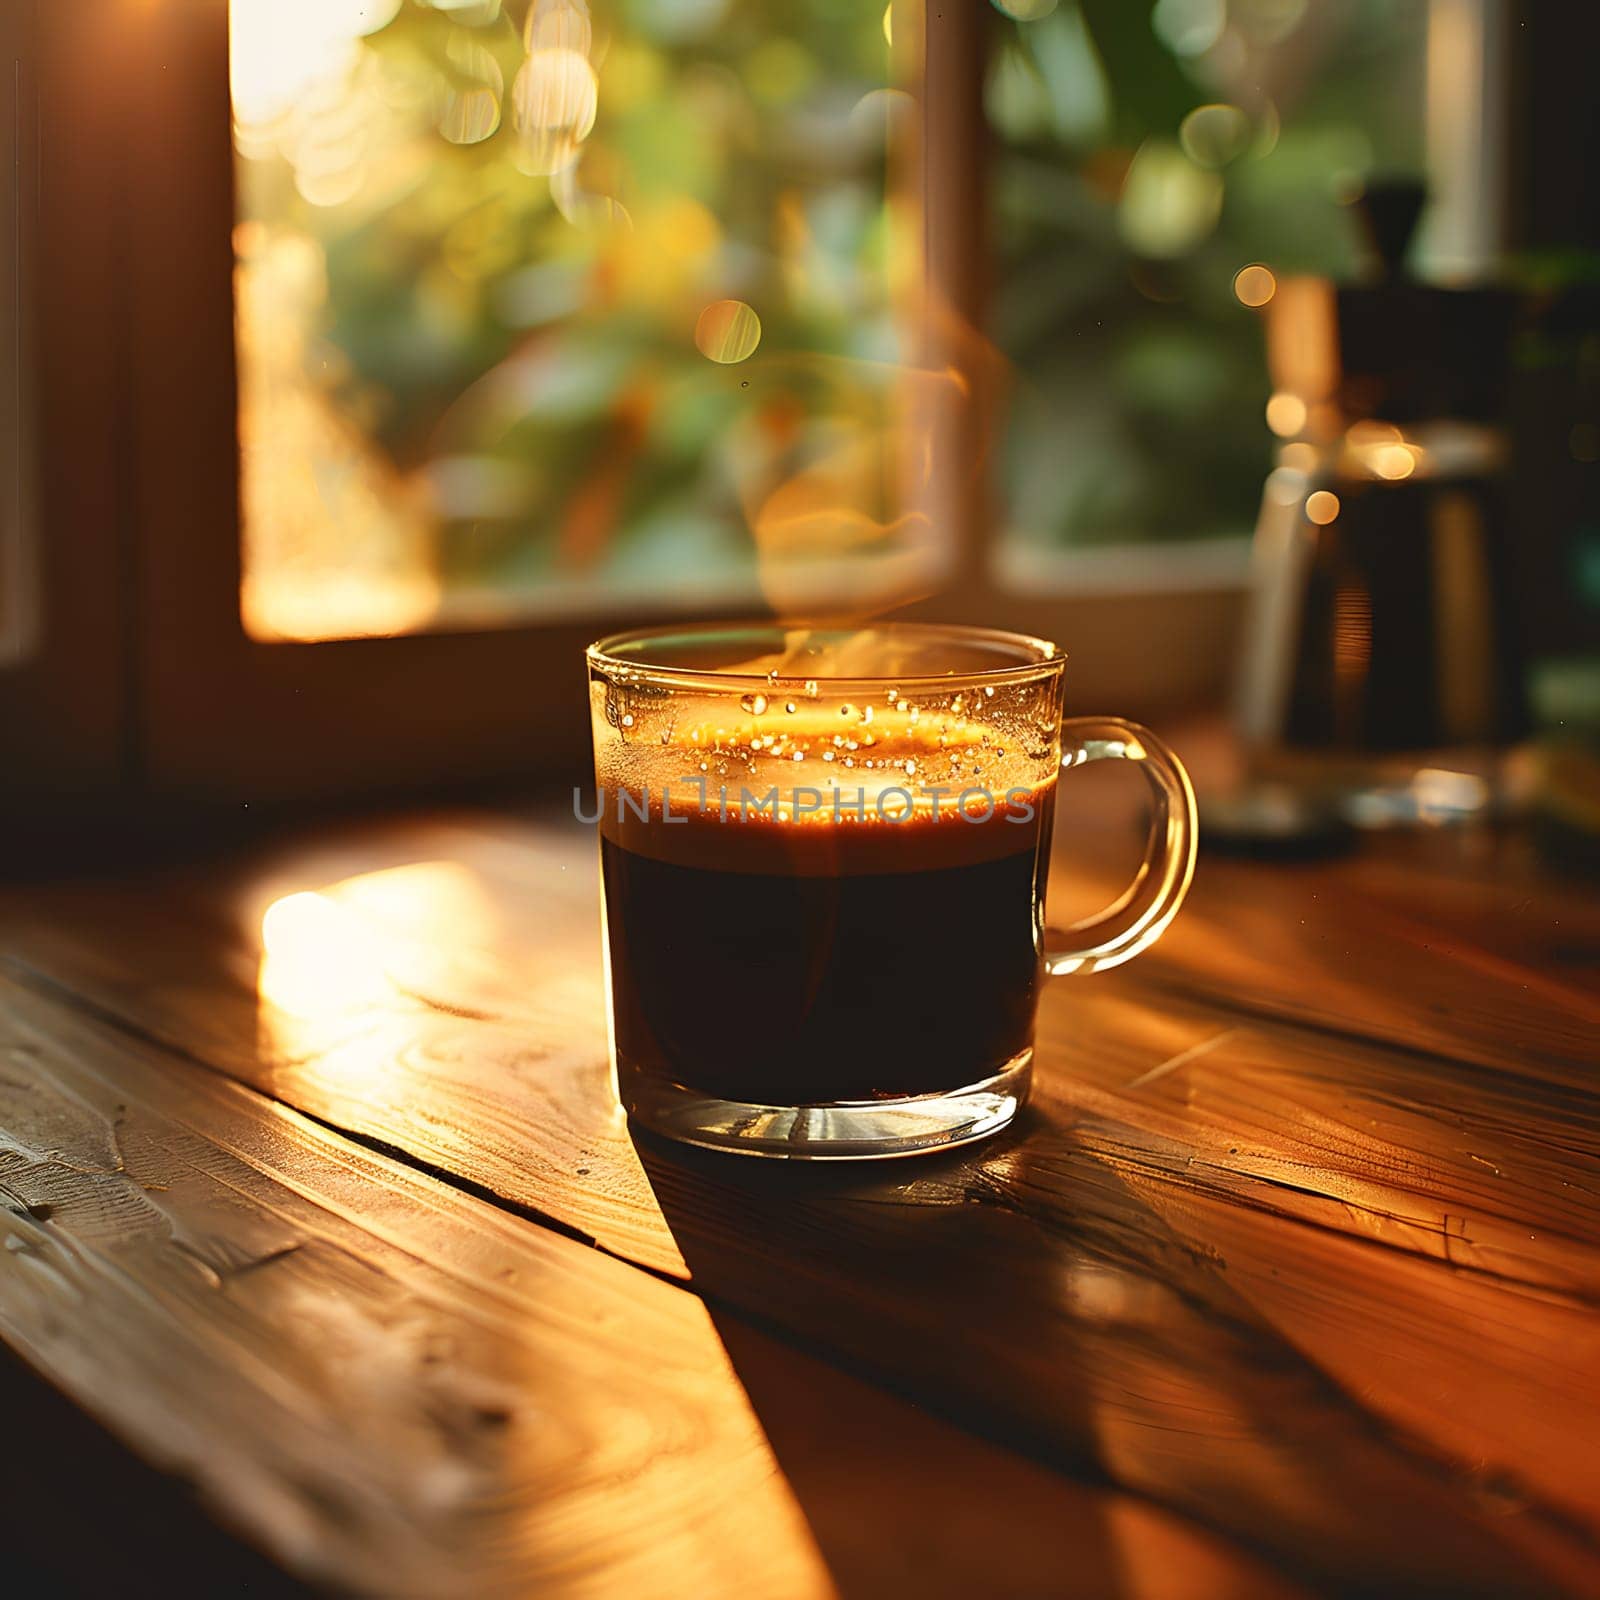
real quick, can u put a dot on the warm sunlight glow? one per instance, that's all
(404, 932)
(282, 48)
(318, 957)
(285, 605)
(338, 546)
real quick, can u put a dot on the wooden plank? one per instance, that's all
(454, 1013)
(1302, 947)
(1453, 940)
(480, 975)
(1419, 1154)
(400, 1389)
(901, 1503)
(390, 1385)
(1250, 1374)
(1489, 890)
(485, 988)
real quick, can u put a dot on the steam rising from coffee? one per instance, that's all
(850, 471)
(850, 515)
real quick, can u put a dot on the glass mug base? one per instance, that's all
(845, 1130)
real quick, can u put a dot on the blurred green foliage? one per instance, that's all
(1142, 380)
(521, 345)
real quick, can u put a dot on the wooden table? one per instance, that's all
(319, 1202)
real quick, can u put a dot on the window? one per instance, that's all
(403, 348)
(541, 311)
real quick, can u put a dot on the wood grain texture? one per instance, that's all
(393, 1386)
(1301, 1241)
(401, 1390)
(1306, 948)
(472, 968)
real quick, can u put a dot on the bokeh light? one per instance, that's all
(1169, 205)
(1214, 135)
(1393, 461)
(1189, 27)
(555, 99)
(472, 112)
(727, 331)
(1286, 415)
(1285, 485)
(1025, 10)
(1322, 506)
(1268, 22)
(281, 48)
(1254, 285)
(471, 13)
(883, 115)
(1366, 432)
(558, 25)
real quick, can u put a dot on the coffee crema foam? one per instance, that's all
(842, 788)
(858, 747)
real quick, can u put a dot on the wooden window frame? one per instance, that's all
(146, 689)
(64, 691)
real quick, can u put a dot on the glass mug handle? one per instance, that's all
(1141, 914)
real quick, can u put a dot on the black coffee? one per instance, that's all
(789, 964)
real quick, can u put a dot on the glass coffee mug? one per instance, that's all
(824, 857)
